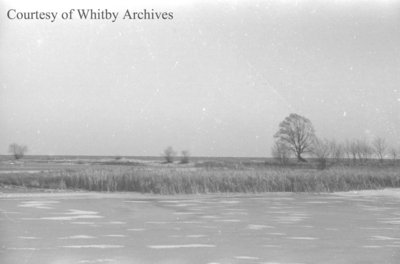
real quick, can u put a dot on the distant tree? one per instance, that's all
(336, 150)
(393, 153)
(351, 150)
(379, 147)
(18, 151)
(280, 152)
(346, 149)
(297, 133)
(169, 154)
(321, 150)
(363, 150)
(185, 158)
(357, 149)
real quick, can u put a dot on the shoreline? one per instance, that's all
(80, 194)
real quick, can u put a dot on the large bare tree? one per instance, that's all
(297, 133)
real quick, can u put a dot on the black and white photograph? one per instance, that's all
(200, 132)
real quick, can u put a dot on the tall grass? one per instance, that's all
(173, 180)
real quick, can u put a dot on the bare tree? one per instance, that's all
(351, 150)
(281, 152)
(393, 153)
(169, 154)
(363, 150)
(379, 148)
(337, 150)
(347, 152)
(185, 157)
(321, 150)
(18, 151)
(297, 133)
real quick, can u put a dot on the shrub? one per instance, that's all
(18, 151)
(169, 154)
(185, 157)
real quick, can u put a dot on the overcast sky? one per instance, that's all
(216, 80)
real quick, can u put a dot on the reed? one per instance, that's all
(176, 180)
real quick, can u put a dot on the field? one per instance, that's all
(201, 175)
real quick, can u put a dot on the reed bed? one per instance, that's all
(175, 180)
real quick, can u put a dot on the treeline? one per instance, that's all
(354, 151)
(296, 136)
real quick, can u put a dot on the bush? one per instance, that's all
(169, 154)
(185, 157)
(18, 151)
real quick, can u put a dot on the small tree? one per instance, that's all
(336, 150)
(297, 133)
(393, 153)
(18, 151)
(379, 147)
(363, 150)
(351, 149)
(169, 154)
(321, 150)
(280, 152)
(185, 157)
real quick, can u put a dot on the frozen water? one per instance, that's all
(159, 230)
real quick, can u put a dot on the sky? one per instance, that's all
(215, 80)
